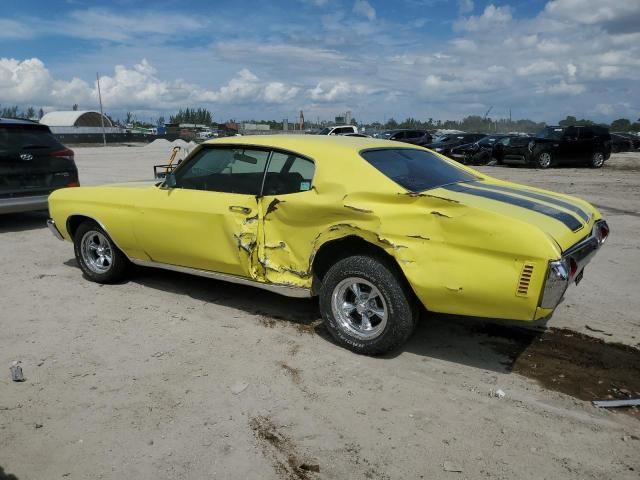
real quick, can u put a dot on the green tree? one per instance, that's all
(621, 125)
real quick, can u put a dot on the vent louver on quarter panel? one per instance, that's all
(525, 280)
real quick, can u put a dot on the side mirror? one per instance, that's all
(170, 180)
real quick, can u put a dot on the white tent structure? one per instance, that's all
(78, 121)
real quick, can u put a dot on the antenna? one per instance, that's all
(104, 137)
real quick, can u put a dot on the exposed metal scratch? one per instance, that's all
(358, 209)
(438, 214)
(273, 206)
(278, 245)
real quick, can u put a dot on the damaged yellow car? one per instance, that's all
(374, 228)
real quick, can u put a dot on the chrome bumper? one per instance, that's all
(570, 267)
(24, 204)
(51, 225)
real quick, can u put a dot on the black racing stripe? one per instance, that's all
(538, 196)
(569, 220)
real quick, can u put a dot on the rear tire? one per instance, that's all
(97, 255)
(543, 160)
(597, 160)
(367, 306)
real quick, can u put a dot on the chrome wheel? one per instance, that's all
(598, 160)
(96, 252)
(359, 308)
(544, 160)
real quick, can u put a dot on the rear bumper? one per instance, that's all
(23, 204)
(51, 225)
(571, 265)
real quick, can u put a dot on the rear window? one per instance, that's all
(15, 138)
(415, 170)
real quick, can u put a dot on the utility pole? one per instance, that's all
(104, 137)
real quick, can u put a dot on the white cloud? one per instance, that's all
(13, 29)
(491, 17)
(331, 91)
(364, 8)
(562, 88)
(537, 68)
(465, 6)
(136, 87)
(620, 15)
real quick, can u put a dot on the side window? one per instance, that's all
(504, 141)
(586, 134)
(398, 136)
(230, 170)
(571, 133)
(288, 173)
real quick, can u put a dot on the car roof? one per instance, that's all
(310, 145)
(17, 121)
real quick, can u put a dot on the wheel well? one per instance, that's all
(74, 221)
(335, 250)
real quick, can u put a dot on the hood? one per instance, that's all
(565, 219)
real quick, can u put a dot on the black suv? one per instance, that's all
(477, 153)
(561, 146)
(446, 143)
(33, 163)
(416, 137)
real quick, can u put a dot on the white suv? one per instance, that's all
(338, 130)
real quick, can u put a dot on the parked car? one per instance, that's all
(444, 144)
(620, 143)
(373, 228)
(476, 153)
(416, 137)
(635, 139)
(553, 146)
(338, 130)
(33, 163)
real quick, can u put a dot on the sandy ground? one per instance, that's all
(168, 376)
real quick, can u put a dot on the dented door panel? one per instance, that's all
(198, 229)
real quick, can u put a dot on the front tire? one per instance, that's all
(367, 306)
(543, 160)
(97, 255)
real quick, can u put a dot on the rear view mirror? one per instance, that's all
(170, 180)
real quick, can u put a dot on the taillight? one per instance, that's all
(573, 268)
(64, 153)
(603, 233)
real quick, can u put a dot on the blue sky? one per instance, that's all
(380, 59)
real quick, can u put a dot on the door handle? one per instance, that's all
(237, 208)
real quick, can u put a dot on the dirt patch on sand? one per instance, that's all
(584, 367)
(282, 451)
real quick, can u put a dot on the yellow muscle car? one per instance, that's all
(374, 228)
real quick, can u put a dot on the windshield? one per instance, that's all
(415, 170)
(550, 133)
(324, 131)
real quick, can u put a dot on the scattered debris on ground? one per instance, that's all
(16, 371)
(281, 450)
(584, 367)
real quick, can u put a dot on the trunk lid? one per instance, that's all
(566, 219)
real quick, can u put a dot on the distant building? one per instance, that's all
(347, 117)
(255, 126)
(340, 121)
(78, 121)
